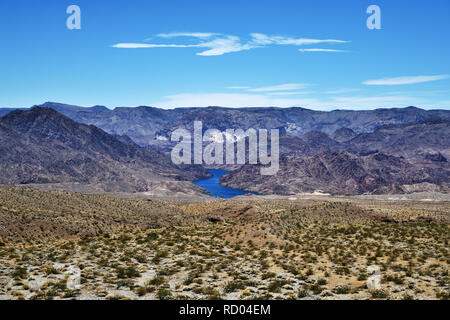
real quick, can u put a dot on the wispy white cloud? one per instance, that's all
(218, 44)
(343, 90)
(281, 87)
(321, 50)
(238, 87)
(265, 100)
(227, 100)
(289, 93)
(404, 80)
(421, 92)
(187, 34)
(372, 102)
(222, 45)
(146, 45)
(263, 39)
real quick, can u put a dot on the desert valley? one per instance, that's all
(92, 207)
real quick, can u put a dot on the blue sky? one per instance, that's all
(315, 54)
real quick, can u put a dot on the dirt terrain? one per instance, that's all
(62, 245)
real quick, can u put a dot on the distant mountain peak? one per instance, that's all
(35, 113)
(98, 108)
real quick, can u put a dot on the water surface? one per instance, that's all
(215, 189)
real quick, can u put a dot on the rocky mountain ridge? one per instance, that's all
(42, 146)
(150, 125)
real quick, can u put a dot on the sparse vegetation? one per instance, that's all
(258, 250)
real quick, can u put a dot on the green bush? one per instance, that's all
(20, 273)
(276, 285)
(316, 288)
(379, 294)
(156, 281)
(302, 293)
(164, 294)
(130, 272)
(443, 295)
(342, 290)
(152, 236)
(234, 285)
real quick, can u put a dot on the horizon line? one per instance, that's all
(215, 106)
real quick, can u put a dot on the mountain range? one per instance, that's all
(149, 125)
(126, 149)
(42, 146)
(392, 159)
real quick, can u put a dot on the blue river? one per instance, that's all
(215, 189)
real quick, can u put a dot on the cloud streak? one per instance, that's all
(262, 39)
(216, 44)
(146, 45)
(342, 90)
(238, 87)
(187, 34)
(289, 93)
(321, 50)
(404, 80)
(281, 87)
(242, 100)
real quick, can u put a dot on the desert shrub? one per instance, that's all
(395, 279)
(234, 285)
(268, 275)
(70, 294)
(152, 236)
(50, 294)
(159, 255)
(62, 285)
(276, 285)
(379, 294)
(50, 270)
(156, 281)
(407, 296)
(164, 294)
(141, 291)
(316, 288)
(141, 258)
(302, 293)
(442, 295)
(124, 238)
(341, 289)
(362, 276)
(130, 272)
(19, 273)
